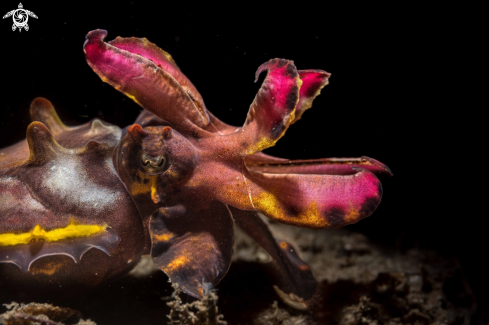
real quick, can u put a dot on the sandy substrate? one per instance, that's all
(360, 283)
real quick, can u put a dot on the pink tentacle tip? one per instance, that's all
(99, 34)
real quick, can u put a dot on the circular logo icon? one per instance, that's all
(20, 17)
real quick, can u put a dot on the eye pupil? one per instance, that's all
(162, 162)
(153, 165)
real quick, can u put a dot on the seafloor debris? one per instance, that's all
(360, 282)
(199, 312)
(274, 315)
(43, 314)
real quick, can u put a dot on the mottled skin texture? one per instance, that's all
(67, 174)
(173, 184)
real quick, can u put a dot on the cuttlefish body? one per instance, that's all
(80, 205)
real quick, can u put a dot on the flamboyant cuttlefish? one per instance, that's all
(173, 184)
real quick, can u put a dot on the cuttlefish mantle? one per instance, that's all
(74, 240)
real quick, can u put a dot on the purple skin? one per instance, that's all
(172, 185)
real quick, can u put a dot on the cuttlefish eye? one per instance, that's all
(154, 164)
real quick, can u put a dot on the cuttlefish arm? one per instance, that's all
(193, 244)
(146, 80)
(290, 273)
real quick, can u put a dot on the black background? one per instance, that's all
(386, 99)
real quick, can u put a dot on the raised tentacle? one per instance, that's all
(312, 83)
(271, 112)
(145, 82)
(101, 56)
(164, 61)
